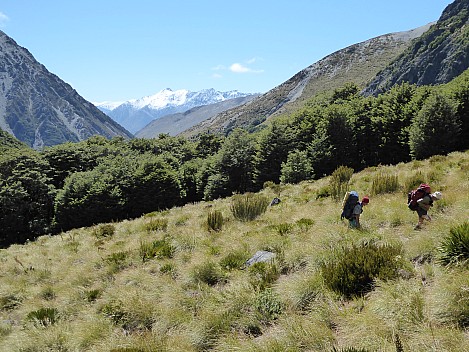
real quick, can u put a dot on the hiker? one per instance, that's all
(423, 205)
(354, 221)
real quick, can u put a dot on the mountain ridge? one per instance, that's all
(135, 114)
(40, 109)
(359, 62)
(438, 56)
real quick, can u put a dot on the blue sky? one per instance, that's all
(119, 50)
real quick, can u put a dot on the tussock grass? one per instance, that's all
(162, 282)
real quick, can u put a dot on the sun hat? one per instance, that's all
(437, 195)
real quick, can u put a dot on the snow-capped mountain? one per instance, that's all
(137, 113)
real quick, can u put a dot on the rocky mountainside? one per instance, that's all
(176, 123)
(40, 109)
(136, 114)
(357, 63)
(436, 57)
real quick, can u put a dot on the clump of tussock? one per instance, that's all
(248, 206)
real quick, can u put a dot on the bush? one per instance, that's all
(233, 260)
(297, 167)
(117, 260)
(43, 317)
(215, 220)
(262, 275)
(339, 181)
(352, 271)
(304, 223)
(92, 295)
(283, 229)
(268, 305)
(384, 183)
(156, 225)
(208, 273)
(455, 247)
(157, 249)
(248, 206)
(104, 230)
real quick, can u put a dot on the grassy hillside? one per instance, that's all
(164, 282)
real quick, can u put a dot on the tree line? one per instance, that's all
(98, 180)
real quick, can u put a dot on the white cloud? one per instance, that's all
(217, 76)
(238, 68)
(3, 19)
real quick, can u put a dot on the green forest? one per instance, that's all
(80, 184)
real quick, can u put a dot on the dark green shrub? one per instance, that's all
(104, 230)
(283, 229)
(208, 273)
(262, 275)
(339, 181)
(215, 220)
(384, 183)
(117, 260)
(168, 268)
(248, 206)
(92, 295)
(304, 223)
(352, 271)
(156, 225)
(43, 316)
(157, 249)
(233, 260)
(455, 247)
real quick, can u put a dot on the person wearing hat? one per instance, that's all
(354, 221)
(424, 204)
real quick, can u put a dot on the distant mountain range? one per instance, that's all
(40, 109)
(174, 124)
(136, 114)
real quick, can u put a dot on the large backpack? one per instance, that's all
(416, 194)
(349, 202)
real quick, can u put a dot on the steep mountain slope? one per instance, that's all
(136, 114)
(176, 123)
(438, 56)
(39, 109)
(357, 63)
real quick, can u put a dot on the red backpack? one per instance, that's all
(416, 194)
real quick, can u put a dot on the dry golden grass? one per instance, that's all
(108, 297)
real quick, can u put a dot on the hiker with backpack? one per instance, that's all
(421, 200)
(352, 208)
